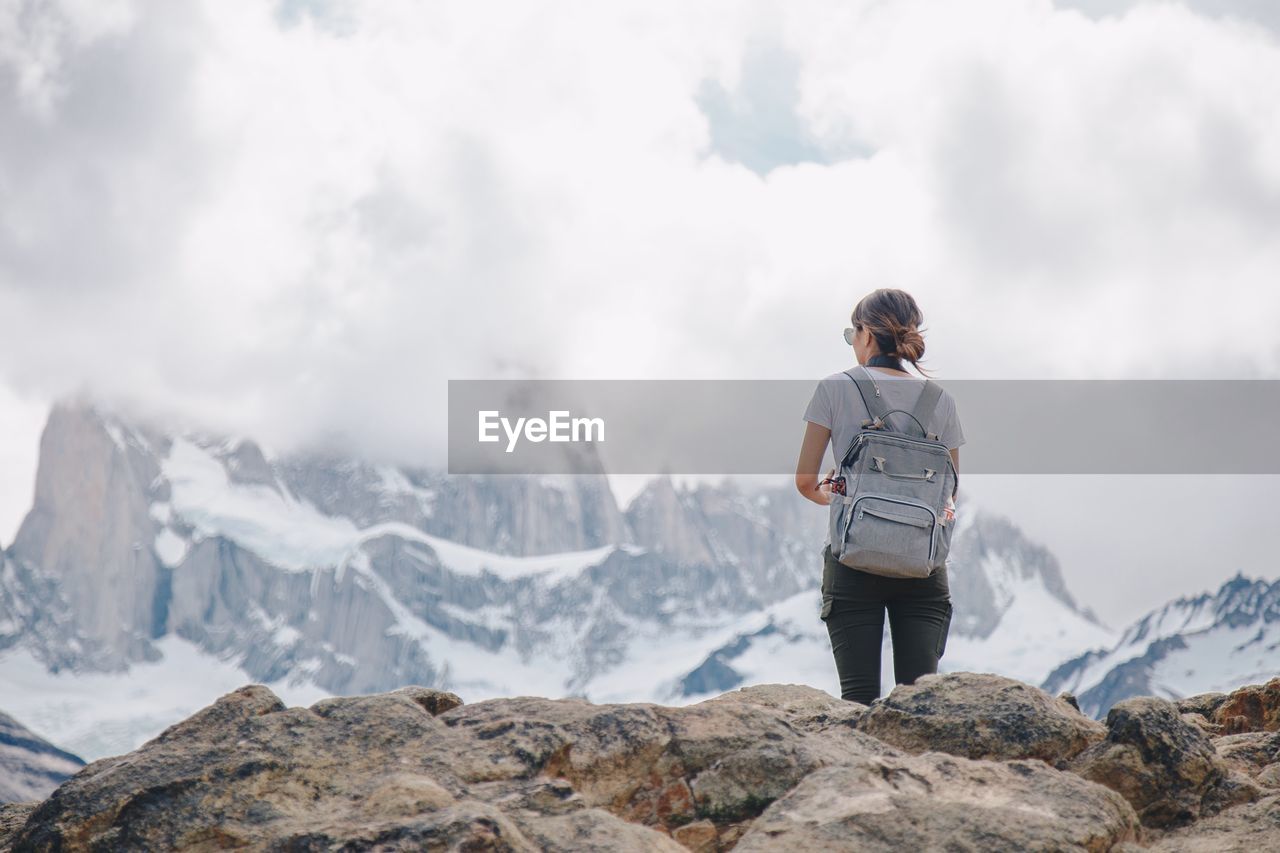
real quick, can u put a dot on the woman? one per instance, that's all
(885, 333)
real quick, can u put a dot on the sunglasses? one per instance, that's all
(849, 333)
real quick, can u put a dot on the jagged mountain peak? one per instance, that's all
(994, 562)
(89, 529)
(1193, 644)
(30, 767)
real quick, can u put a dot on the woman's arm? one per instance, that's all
(955, 460)
(814, 445)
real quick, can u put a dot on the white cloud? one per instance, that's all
(299, 221)
(309, 217)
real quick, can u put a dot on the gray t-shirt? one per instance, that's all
(837, 406)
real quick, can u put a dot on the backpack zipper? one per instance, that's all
(897, 437)
(933, 529)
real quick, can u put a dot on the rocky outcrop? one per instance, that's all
(1251, 828)
(1203, 704)
(30, 766)
(91, 531)
(805, 707)
(978, 715)
(1255, 708)
(1165, 767)
(12, 817)
(962, 761)
(923, 802)
(1255, 753)
(416, 767)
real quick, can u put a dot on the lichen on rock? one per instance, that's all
(979, 715)
(1167, 768)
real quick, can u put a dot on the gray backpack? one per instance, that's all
(890, 521)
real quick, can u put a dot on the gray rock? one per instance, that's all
(1202, 723)
(978, 715)
(935, 801)
(1203, 704)
(246, 770)
(231, 603)
(1251, 828)
(1166, 768)
(90, 530)
(595, 829)
(723, 760)
(1269, 776)
(670, 522)
(806, 707)
(1253, 752)
(12, 817)
(434, 702)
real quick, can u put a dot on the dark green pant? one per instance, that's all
(853, 606)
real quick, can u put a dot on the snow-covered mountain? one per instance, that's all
(30, 766)
(1212, 642)
(160, 565)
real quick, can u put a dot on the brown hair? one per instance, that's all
(894, 319)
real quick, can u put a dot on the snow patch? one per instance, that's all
(95, 714)
(290, 534)
(1034, 635)
(171, 548)
(473, 562)
(116, 434)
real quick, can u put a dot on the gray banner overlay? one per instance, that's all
(754, 426)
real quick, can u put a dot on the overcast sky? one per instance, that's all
(299, 219)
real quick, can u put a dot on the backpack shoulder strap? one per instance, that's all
(929, 396)
(870, 394)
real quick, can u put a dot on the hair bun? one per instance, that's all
(910, 343)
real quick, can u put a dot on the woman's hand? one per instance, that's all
(824, 488)
(816, 438)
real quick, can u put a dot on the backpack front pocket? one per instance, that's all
(889, 536)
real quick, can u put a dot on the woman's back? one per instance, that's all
(837, 405)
